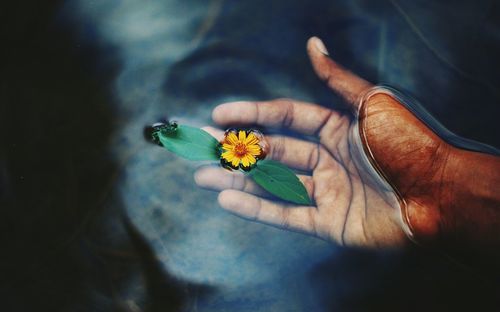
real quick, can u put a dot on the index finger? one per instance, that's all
(302, 117)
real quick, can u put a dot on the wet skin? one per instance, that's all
(443, 192)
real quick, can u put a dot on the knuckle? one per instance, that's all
(287, 112)
(278, 148)
(309, 186)
(288, 117)
(285, 219)
(313, 159)
(258, 212)
(312, 224)
(237, 182)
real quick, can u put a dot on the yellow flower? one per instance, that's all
(241, 149)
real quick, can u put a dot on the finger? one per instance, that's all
(251, 207)
(299, 116)
(296, 153)
(219, 179)
(342, 81)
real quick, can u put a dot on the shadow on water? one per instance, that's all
(212, 72)
(415, 280)
(458, 81)
(64, 245)
(164, 291)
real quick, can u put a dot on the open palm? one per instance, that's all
(350, 208)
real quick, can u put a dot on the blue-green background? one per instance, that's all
(96, 219)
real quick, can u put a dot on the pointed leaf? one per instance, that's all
(280, 181)
(190, 143)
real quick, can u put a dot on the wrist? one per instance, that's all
(470, 210)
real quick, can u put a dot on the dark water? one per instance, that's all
(96, 219)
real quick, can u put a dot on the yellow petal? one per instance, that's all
(251, 139)
(245, 161)
(254, 150)
(231, 138)
(242, 136)
(253, 142)
(251, 159)
(229, 155)
(227, 147)
(235, 162)
(253, 147)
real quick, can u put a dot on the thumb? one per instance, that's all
(348, 85)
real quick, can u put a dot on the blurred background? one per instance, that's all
(93, 218)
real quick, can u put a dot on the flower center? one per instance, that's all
(240, 149)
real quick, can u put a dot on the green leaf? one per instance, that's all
(190, 143)
(280, 181)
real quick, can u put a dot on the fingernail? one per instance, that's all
(199, 177)
(320, 46)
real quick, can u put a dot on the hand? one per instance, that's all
(441, 191)
(348, 210)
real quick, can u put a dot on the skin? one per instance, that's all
(444, 193)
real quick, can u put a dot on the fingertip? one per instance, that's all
(321, 61)
(316, 45)
(342, 81)
(215, 178)
(200, 176)
(225, 199)
(239, 203)
(218, 113)
(224, 113)
(320, 58)
(232, 112)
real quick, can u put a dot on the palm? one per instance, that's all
(349, 209)
(338, 212)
